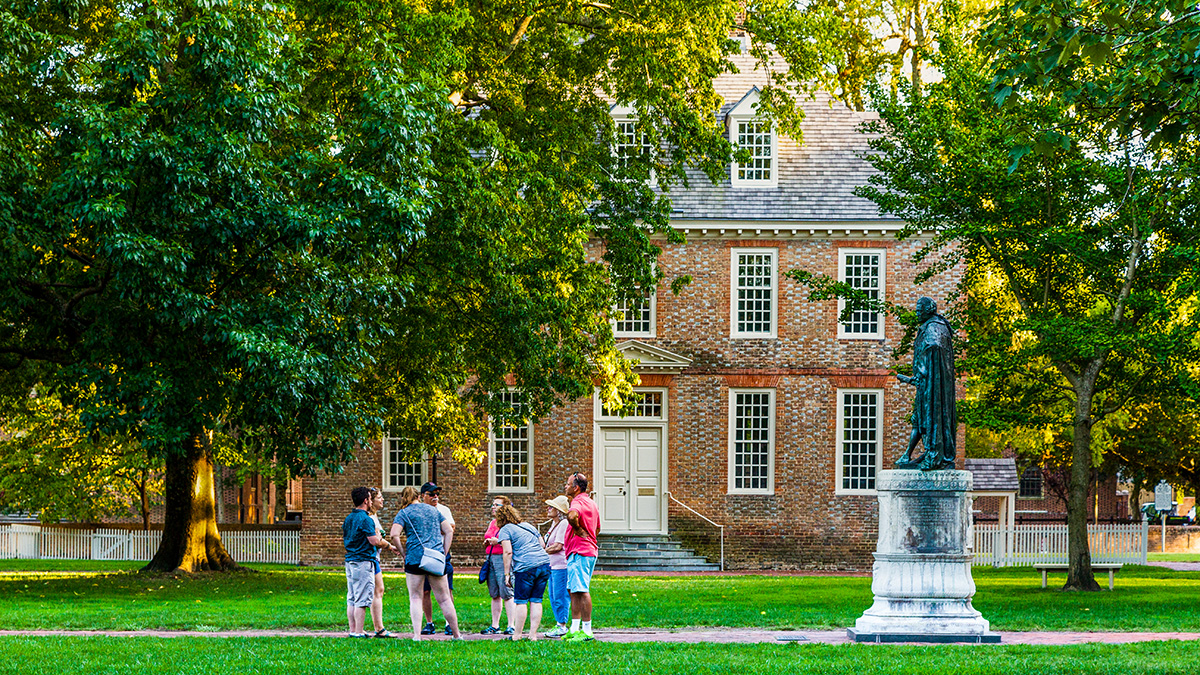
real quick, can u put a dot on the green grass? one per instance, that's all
(1173, 557)
(1146, 599)
(284, 656)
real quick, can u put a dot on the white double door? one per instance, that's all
(631, 479)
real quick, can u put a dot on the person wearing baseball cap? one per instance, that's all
(560, 599)
(431, 495)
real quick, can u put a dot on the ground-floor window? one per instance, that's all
(752, 441)
(510, 453)
(1031, 483)
(860, 415)
(398, 472)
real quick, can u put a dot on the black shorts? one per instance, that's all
(449, 575)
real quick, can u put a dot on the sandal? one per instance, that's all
(383, 633)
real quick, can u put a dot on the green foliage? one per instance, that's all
(52, 468)
(291, 228)
(1129, 66)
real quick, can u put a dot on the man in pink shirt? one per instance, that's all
(581, 548)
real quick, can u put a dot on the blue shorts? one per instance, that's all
(530, 585)
(579, 572)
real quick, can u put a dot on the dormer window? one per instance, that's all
(756, 136)
(630, 144)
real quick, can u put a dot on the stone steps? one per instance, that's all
(648, 553)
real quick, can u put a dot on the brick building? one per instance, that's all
(761, 410)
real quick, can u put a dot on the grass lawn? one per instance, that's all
(283, 656)
(1145, 599)
(1173, 557)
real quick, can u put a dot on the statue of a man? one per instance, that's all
(934, 420)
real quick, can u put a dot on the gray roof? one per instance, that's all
(816, 179)
(994, 475)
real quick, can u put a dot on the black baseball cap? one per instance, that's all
(430, 487)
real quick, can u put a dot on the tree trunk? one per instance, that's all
(1135, 500)
(144, 500)
(190, 539)
(918, 49)
(1079, 557)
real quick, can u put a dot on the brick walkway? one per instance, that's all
(684, 636)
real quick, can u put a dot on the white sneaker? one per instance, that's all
(557, 632)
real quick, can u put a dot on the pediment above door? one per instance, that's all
(651, 359)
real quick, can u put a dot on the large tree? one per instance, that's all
(1090, 249)
(288, 228)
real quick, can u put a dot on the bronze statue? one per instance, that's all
(934, 420)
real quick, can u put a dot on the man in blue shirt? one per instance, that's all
(360, 538)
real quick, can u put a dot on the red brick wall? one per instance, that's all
(804, 524)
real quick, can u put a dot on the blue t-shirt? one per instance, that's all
(356, 529)
(527, 551)
(422, 526)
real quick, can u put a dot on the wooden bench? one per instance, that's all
(1111, 568)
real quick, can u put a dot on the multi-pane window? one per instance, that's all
(398, 472)
(1030, 483)
(635, 317)
(650, 404)
(510, 452)
(753, 293)
(630, 142)
(863, 271)
(755, 137)
(752, 443)
(859, 414)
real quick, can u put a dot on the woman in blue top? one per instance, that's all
(526, 568)
(424, 527)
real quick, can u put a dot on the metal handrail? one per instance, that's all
(708, 520)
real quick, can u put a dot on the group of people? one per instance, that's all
(520, 564)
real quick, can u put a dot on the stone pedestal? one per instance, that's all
(922, 574)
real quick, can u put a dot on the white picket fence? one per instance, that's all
(60, 543)
(1025, 545)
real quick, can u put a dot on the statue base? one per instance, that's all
(922, 574)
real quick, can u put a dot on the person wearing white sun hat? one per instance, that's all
(560, 599)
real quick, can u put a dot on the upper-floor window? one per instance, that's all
(510, 452)
(757, 141)
(752, 441)
(753, 310)
(630, 143)
(1030, 485)
(398, 471)
(635, 317)
(863, 269)
(859, 421)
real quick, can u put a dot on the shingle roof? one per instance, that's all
(994, 475)
(816, 179)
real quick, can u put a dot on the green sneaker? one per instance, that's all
(574, 636)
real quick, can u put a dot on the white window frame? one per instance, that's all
(628, 114)
(731, 484)
(843, 253)
(598, 407)
(837, 444)
(733, 292)
(652, 298)
(746, 183)
(386, 483)
(492, 487)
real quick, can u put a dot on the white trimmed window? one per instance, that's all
(863, 269)
(860, 415)
(652, 405)
(630, 141)
(751, 441)
(635, 317)
(510, 452)
(398, 472)
(753, 296)
(758, 138)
